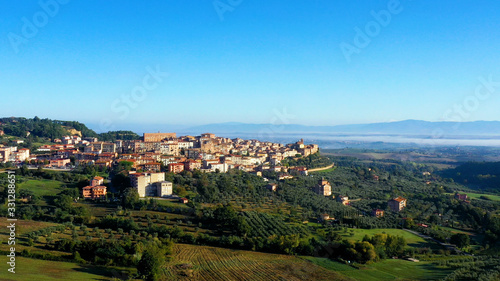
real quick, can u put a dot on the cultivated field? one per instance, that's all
(22, 226)
(209, 263)
(34, 269)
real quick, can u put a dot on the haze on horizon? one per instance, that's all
(319, 63)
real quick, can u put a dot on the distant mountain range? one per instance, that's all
(407, 127)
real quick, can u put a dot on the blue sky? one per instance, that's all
(249, 61)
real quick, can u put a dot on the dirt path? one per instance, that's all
(321, 169)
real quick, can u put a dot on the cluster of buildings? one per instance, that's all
(75, 140)
(395, 205)
(323, 187)
(159, 152)
(12, 154)
(207, 153)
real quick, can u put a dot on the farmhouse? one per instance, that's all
(377, 213)
(272, 186)
(96, 181)
(461, 197)
(397, 204)
(343, 199)
(325, 217)
(323, 188)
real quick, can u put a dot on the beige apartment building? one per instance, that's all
(151, 184)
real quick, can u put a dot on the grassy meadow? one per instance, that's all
(391, 269)
(41, 270)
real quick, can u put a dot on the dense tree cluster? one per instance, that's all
(315, 160)
(371, 248)
(482, 175)
(43, 128)
(481, 268)
(118, 135)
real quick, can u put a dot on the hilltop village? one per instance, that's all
(157, 153)
(207, 153)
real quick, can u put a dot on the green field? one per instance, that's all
(411, 239)
(42, 187)
(455, 230)
(23, 226)
(385, 270)
(477, 195)
(171, 204)
(34, 269)
(473, 195)
(324, 171)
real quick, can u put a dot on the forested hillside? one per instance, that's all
(482, 175)
(34, 130)
(43, 128)
(312, 161)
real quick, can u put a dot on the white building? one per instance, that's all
(151, 184)
(9, 154)
(185, 144)
(164, 189)
(222, 167)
